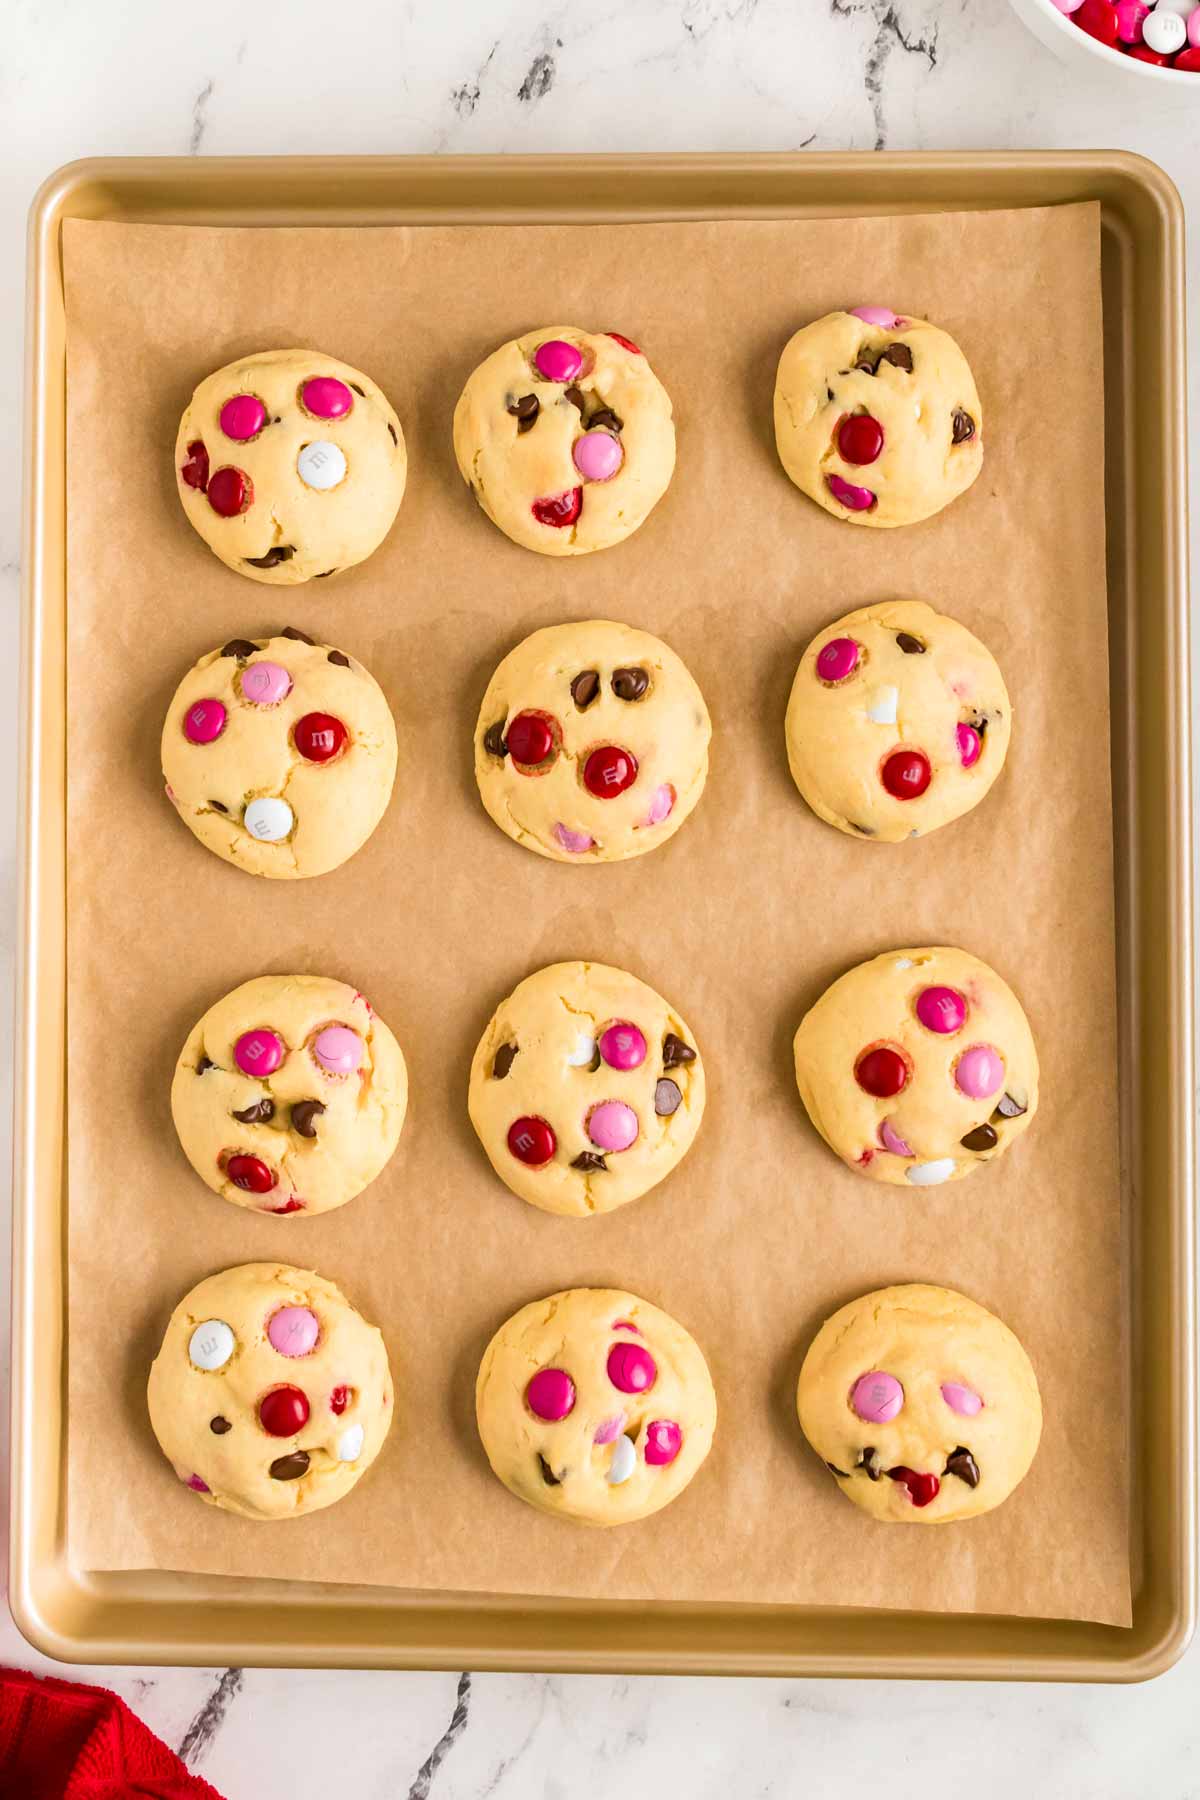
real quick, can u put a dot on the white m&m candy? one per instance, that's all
(349, 1445)
(1164, 32)
(211, 1344)
(624, 1462)
(321, 465)
(268, 820)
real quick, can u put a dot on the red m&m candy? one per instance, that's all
(230, 491)
(339, 1399)
(319, 736)
(1099, 19)
(283, 1412)
(250, 1174)
(194, 472)
(881, 1071)
(860, 438)
(530, 738)
(906, 774)
(625, 343)
(532, 1141)
(609, 771)
(559, 509)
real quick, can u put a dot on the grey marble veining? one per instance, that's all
(142, 78)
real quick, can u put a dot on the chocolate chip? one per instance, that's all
(575, 396)
(277, 554)
(829, 394)
(219, 1425)
(241, 648)
(1008, 1108)
(963, 427)
(865, 366)
(666, 1097)
(900, 357)
(338, 656)
(297, 636)
(392, 429)
(630, 684)
(503, 1061)
(982, 1138)
(291, 1467)
(218, 806)
(261, 1113)
(867, 1461)
(585, 687)
(205, 1063)
(963, 1464)
(589, 1160)
(548, 1475)
(325, 574)
(305, 1114)
(357, 389)
(525, 411)
(493, 739)
(910, 645)
(834, 1470)
(605, 420)
(676, 1052)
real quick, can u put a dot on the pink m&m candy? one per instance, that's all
(961, 1399)
(266, 683)
(243, 417)
(837, 659)
(941, 1009)
(550, 1394)
(622, 1046)
(258, 1053)
(877, 1397)
(631, 1368)
(876, 315)
(662, 804)
(1193, 30)
(197, 1485)
(293, 1330)
(204, 721)
(855, 499)
(663, 1441)
(970, 744)
(1068, 6)
(608, 1429)
(979, 1072)
(598, 455)
(557, 360)
(338, 1050)
(574, 841)
(325, 397)
(892, 1141)
(612, 1125)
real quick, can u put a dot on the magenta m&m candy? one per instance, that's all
(325, 397)
(855, 499)
(631, 1368)
(598, 455)
(970, 744)
(338, 1050)
(663, 1442)
(838, 659)
(941, 1009)
(622, 1045)
(860, 438)
(283, 1412)
(251, 1174)
(230, 491)
(557, 360)
(204, 721)
(1130, 14)
(877, 1397)
(198, 1485)
(961, 1399)
(258, 1053)
(243, 417)
(265, 683)
(979, 1072)
(532, 1141)
(608, 771)
(612, 1125)
(550, 1395)
(319, 737)
(293, 1330)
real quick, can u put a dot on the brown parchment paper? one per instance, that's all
(741, 920)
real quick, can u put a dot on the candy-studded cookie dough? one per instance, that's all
(877, 417)
(899, 721)
(922, 1405)
(595, 1405)
(270, 1395)
(290, 465)
(592, 743)
(565, 438)
(586, 1088)
(289, 1095)
(280, 754)
(918, 1066)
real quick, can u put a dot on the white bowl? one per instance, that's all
(1073, 45)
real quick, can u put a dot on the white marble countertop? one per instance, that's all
(142, 78)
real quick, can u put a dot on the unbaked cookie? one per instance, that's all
(921, 1403)
(280, 754)
(918, 1066)
(565, 439)
(591, 743)
(899, 721)
(290, 464)
(877, 418)
(270, 1395)
(289, 1095)
(594, 1405)
(586, 1089)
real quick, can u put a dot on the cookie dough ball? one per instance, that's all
(591, 743)
(899, 721)
(595, 1405)
(270, 1396)
(565, 439)
(586, 1089)
(280, 754)
(876, 417)
(290, 464)
(289, 1095)
(923, 1406)
(918, 1066)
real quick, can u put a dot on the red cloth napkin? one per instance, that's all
(60, 1740)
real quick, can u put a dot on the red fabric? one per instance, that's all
(60, 1740)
